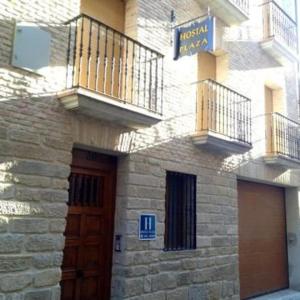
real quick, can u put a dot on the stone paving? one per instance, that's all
(282, 295)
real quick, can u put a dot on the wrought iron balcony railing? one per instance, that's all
(283, 136)
(243, 5)
(224, 112)
(279, 25)
(108, 62)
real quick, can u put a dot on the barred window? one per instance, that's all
(180, 222)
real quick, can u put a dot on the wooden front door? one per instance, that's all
(262, 239)
(86, 268)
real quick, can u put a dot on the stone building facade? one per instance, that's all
(38, 134)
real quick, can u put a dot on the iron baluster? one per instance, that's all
(209, 104)
(126, 71)
(105, 61)
(145, 78)
(139, 77)
(98, 58)
(74, 53)
(68, 54)
(120, 68)
(150, 83)
(132, 71)
(80, 52)
(223, 110)
(156, 84)
(89, 57)
(112, 70)
(227, 113)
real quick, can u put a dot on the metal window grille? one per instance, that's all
(180, 224)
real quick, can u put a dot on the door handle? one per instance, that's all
(79, 273)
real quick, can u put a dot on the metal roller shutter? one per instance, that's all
(262, 239)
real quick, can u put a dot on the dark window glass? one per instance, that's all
(180, 226)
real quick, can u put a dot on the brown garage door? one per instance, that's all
(262, 239)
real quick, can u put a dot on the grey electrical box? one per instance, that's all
(31, 48)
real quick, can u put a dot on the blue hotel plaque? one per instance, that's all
(147, 227)
(197, 37)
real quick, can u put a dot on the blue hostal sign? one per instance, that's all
(198, 37)
(147, 227)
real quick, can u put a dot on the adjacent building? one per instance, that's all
(128, 174)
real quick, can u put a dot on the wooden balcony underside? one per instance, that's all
(219, 143)
(102, 107)
(282, 160)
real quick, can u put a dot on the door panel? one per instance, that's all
(86, 268)
(262, 239)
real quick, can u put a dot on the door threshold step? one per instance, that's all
(281, 295)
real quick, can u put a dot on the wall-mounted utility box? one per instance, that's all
(31, 47)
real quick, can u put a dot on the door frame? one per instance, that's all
(100, 162)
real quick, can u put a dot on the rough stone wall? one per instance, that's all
(143, 270)
(37, 135)
(35, 156)
(210, 272)
(34, 166)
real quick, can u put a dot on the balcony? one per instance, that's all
(280, 35)
(111, 76)
(223, 119)
(232, 12)
(283, 141)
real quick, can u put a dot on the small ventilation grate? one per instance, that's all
(85, 190)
